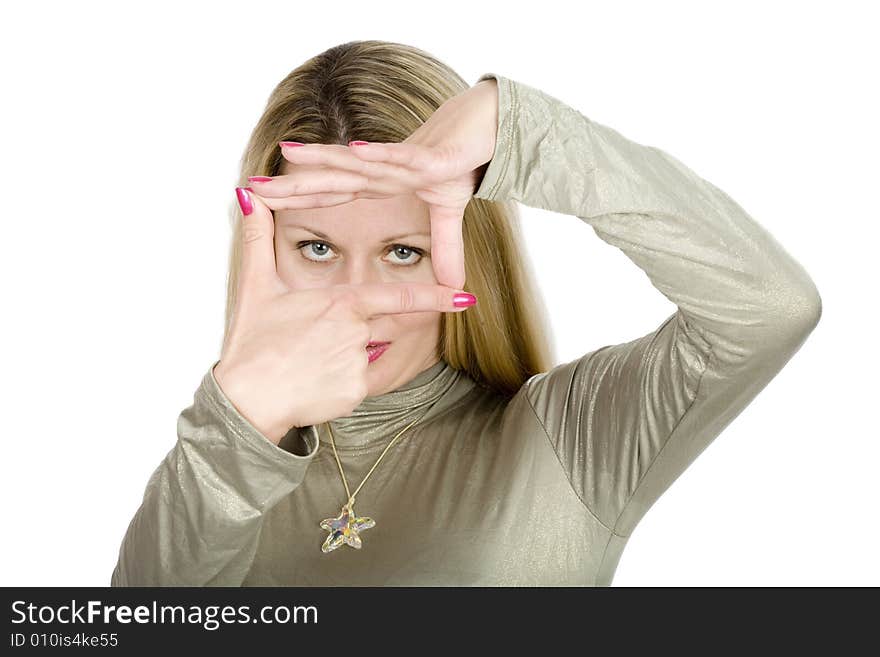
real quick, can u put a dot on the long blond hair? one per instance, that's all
(382, 91)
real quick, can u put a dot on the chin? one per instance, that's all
(381, 375)
(380, 370)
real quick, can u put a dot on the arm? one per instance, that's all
(626, 420)
(200, 518)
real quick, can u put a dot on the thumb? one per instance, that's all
(258, 268)
(447, 245)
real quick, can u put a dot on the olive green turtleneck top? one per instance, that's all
(544, 488)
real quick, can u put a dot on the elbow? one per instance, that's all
(805, 301)
(815, 312)
(805, 309)
(797, 316)
(790, 298)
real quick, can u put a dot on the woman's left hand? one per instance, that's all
(441, 163)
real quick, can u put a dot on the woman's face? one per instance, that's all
(367, 241)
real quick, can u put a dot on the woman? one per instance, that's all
(456, 455)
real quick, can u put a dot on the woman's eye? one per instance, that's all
(311, 248)
(407, 253)
(315, 251)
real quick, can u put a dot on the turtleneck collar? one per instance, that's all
(376, 420)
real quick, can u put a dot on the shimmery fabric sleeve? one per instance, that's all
(200, 517)
(626, 420)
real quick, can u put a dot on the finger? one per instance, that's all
(335, 155)
(392, 298)
(258, 246)
(416, 157)
(447, 246)
(310, 200)
(309, 180)
(328, 157)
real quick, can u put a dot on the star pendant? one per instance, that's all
(344, 528)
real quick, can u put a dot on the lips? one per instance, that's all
(376, 349)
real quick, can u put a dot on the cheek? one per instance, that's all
(417, 325)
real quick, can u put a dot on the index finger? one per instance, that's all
(391, 298)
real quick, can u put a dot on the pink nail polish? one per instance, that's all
(463, 299)
(357, 143)
(259, 179)
(244, 201)
(289, 143)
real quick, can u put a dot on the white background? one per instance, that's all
(122, 128)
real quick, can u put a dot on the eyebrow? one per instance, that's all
(329, 239)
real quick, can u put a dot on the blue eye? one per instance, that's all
(408, 251)
(311, 244)
(404, 254)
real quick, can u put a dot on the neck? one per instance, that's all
(379, 418)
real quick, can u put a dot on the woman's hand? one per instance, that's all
(442, 163)
(298, 357)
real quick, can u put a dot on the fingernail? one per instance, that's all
(289, 143)
(259, 179)
(244, 201)
(357, 143)
(463, 299)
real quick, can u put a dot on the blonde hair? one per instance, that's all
(382, 91)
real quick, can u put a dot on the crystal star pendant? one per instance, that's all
(344, 528)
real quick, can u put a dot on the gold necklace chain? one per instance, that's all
(345, 483)
(344, 528)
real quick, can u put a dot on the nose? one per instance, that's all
(360, 271)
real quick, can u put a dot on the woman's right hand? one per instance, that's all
(298, 357)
